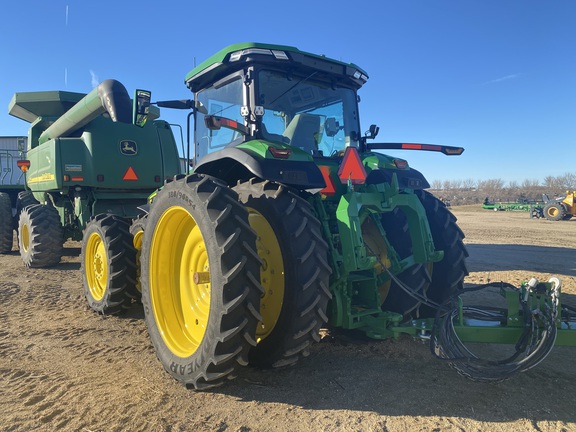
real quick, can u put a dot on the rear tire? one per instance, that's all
(40, 236)
(108, 262)
(416, 277)
(200, 285)
(6, 223)
(294, 274)
(447, 275)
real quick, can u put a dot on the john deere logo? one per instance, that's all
(128, 148)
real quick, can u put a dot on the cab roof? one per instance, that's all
(235, 56)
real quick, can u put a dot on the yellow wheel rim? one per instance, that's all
(552, 212)
(25, 237)
(96, 265)
(181, 306)
(271, 273)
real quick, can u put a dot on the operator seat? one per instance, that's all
(303, 132)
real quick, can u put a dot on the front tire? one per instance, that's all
(200, 285)
(108, 262)
(6, 224)
(294, 274)
(554, 211)
(40, 236)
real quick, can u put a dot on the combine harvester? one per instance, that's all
(88, 168)
(291, 219)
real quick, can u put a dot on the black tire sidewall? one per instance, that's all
(196, 368)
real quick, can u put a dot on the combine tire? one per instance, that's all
(554, 211)
(448, 274)
(294, 273)
(200, 286)
(40, 236)
(108, 262)
(6, 224)
(137, 232)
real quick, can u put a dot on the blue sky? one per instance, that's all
(497, 77)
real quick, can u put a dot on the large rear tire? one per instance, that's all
(6, 224)
(200, 285)
(108, 262)
(40, 236)
(449, 273)
(294, 274)
(416, 277)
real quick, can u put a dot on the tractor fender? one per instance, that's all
(232, 164)
(407, 179)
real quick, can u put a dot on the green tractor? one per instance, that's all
(290, 219)
(88, 169)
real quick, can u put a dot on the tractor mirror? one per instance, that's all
(212, 122)
(141, 107)
(372, 131)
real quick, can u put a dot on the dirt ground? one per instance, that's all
(62, 367)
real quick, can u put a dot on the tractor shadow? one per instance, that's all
(508, 257)
(402, 378)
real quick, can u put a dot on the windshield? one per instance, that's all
(312, 115)
(224, 100)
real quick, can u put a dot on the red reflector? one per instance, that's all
(66, 178)
(400, 163)
(280, 153)
(100, 178)
(352, 168)
(330, 188)
(412, 146)
(77, 179)
(23, 165)
(157, 179)
(130, 175)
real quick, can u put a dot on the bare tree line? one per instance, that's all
(470, 191)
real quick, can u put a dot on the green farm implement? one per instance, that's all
(87, 169)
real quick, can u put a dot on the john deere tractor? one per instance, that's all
(88, 168)
(290, 219)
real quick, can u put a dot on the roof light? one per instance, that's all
(237, 55)
(280, 55)
(357, 74)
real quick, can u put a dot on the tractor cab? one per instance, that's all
(290, 99)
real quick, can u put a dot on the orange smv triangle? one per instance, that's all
(130, 175)
(352, 167)
(330, 188)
